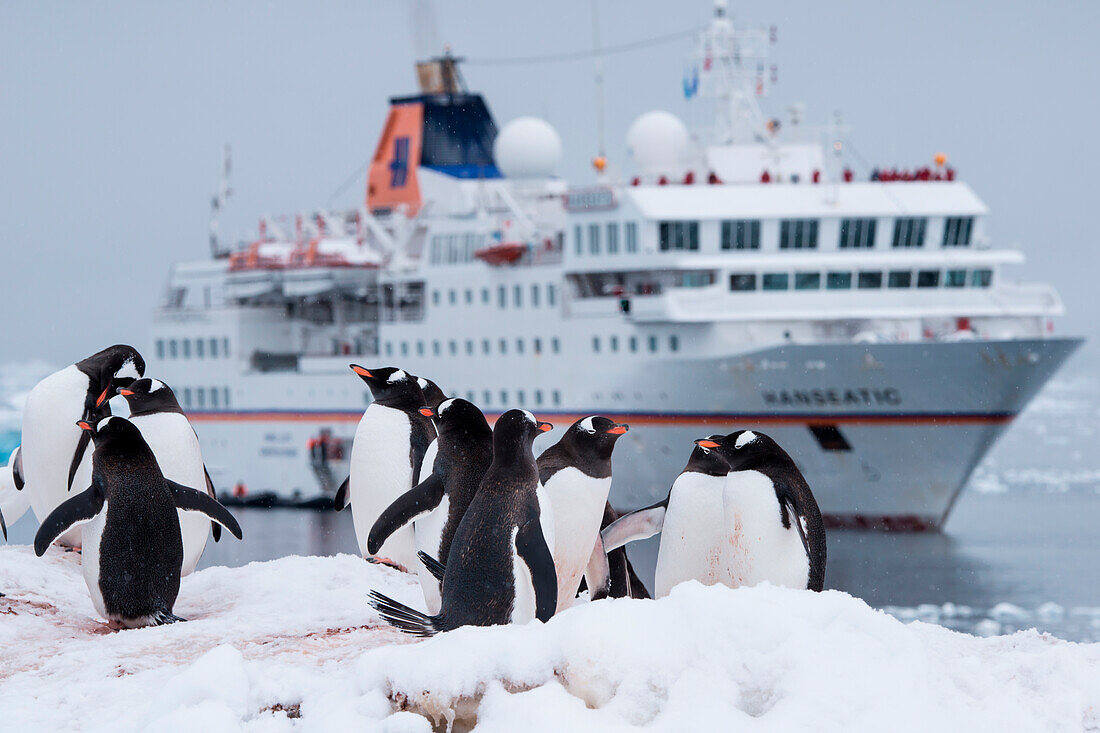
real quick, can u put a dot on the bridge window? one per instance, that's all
(909, 232)
(838, 281)
(981, 278)
(900, 279)
(857, 233)
(870, 280)
(679, 235)
(613, 238)
(741, 234)
(807, 281)
(594, 238)
(955, 279)
(928, 279)
(776, 281)
(631, 237)
(741, 281)
(957, 230)
(798, 234)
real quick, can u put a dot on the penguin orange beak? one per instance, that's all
(427, 412)
(618, 429)
(84, 425)
(102, 397)
(361, 371)
(126, 392)
(706, 443)
(545, 426)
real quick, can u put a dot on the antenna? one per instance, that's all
(600, 161)
(217, 202)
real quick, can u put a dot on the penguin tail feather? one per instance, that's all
(434, 567)
(403, 618)
(160, 618)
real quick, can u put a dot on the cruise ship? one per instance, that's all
(733, 273)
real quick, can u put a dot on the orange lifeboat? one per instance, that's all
(504, 253)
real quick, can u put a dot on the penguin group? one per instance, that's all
(499, 536)
(131, 494)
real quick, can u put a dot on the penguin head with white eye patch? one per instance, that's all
(749, 449)
(433, 395)
(517, 429)
(114, 367)
(456, 416)
(593, 436)
(392, 386)
(147, 396)
(110, 428)
(706, 459)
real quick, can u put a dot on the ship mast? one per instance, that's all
(217, 203)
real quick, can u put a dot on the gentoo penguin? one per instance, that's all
(576, 475)
(433, 398)
(438, 503)
(500, 568)
(775, 526)
(132, 550)
(386, 457)
(690, 520)
(57, 454)
(157, 414)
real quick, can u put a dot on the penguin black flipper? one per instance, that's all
(193, 500)
(17, 470)
(640, 524)
(532, 549)
(80, 508)
(215, 528)
(436, 568)
(342, 500)
(415, 502)
(78, 456)
(798, 507)
(3, 527)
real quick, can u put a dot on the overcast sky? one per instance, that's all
(113, 116)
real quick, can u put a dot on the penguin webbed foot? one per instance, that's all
(162, 618)
(374, 560)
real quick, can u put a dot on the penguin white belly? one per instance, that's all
(759, 548)
(428, 531)
(546, 517)
(50, 437)
(91, 535)
(523, 604)
(177, 451)
(578, 502)
(380, 472)
(693, 535)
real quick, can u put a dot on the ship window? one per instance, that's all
(469, 296)
(226, 401)
(186, 348)
(503, 397)
(857, 233)
(487, 397)
(200, 348)
(776, 281)
(956, 231)
(633, 343)
(928, 279)
(187, 397)
(612, 238)
(909, 231)
(435, 348)
(452, 297)
(578, 243)
(200, 397)
(652, 343)
(485, 296)
(741, 234)
(743, 281)
(519, 346)
(503, 346)
(679, 235)
(900, 279)
(160, 348)
(838, 280)
(536, 345)
(551, 294)
(213, 348)
(955, 279)
(830, 438)
(521, 398)
(485, 346)
(870, 280)
(534, 295)
(214, 396)
(420, 348)
(404, 348)
(631, 237)
(556, 396)
(981, 278)
(538, 396)
(517, 295)
(452, 346)
(673, 343)
(389, 348)
(613, 343)
(555, 344)
(225, 347)
(469, 347)
(807, 281)
(596, 344)
(502, 296)
(594, 238)
(798, 234)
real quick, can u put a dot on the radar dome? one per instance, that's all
(527, 147)
(658, 143)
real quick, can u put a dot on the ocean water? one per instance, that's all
(1020, 550)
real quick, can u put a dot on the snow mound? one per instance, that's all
(291, 644)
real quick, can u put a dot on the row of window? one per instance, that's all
(521, 398)
(535, 293)
(472, 347)
(630, 343)
(601, 236)
(453, 249)
(200, 347)
(864, 280)
(200, 398)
